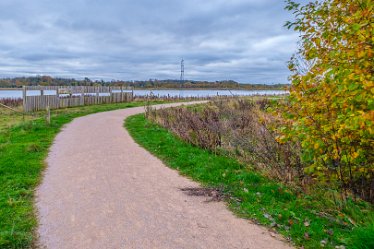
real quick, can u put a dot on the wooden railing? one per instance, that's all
(36, 98)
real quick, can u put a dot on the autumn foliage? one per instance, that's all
(330, 109)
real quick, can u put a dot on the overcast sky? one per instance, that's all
(242, 40)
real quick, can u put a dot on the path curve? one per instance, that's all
(102, 190)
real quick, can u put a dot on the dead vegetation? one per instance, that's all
(11, 102)
(241, 127)
(212, 194)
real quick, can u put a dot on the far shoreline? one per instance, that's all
(197, 89)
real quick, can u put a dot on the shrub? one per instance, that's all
(330, 109)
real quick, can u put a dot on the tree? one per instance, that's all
(331, 104)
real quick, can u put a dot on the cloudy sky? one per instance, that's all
(242, 40)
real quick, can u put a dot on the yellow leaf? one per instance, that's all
(355, 155)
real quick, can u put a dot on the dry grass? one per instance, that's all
(9, 118)
(240, 127)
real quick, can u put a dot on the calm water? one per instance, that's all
(171, 93)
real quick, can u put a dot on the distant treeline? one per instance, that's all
(145, 84)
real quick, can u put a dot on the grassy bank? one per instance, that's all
(24, 145)
(303, 219)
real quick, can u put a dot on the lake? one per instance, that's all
(161, 93)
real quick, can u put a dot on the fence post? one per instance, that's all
(24, 90)
(111, 95)
(97, 95)
(121, 94)
(82, 95)
(58, 96)
(48, 118)
(42, 99)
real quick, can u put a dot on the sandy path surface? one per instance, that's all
(101, 190)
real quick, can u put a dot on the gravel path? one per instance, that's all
(101, 190)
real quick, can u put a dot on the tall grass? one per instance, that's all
(239, 127)
(248, 130)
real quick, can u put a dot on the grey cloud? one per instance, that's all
(242, 40)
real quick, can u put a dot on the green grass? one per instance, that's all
(308, 221)
(23, 147)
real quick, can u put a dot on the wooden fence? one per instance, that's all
(36, 98)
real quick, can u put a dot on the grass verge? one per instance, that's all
(23, 147)
(300, 218)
